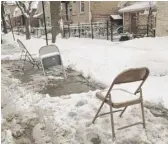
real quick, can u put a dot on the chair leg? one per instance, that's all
(143, 116)
(112, 119)
(123, 111)
(65, 76)
(43, 67)
(24, 61)
(98, 112)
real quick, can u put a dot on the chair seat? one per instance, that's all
(120, 98)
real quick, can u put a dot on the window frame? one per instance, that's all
(74, 6)
(81, 7)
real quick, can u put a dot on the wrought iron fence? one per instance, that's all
(96, 30)
(145, 31)
(35, 31)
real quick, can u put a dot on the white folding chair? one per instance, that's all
(26, 56)
(50, 56)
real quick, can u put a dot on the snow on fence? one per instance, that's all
(96, 30)
(102, 30)
(35, 31)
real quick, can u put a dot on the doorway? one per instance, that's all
(133, 23)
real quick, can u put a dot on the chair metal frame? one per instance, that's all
(26, 56)
(51, 50)
(127, 76)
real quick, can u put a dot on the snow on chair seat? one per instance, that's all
(50, 56)
(120, 97)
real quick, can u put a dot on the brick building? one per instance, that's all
(135, 15)
(162, 19)
(87, 11)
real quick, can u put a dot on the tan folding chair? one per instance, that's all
(118, 98)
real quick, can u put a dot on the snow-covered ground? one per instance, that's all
(69, 117)
(103, 60)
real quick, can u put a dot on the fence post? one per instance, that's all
(99, 30)
(147, 30)
(111, 31)
(92, 29)
(69, 30)
(79, 29)
(63, 31)
(154, 33)
(107, 29)
(85, 32)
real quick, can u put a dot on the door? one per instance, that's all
(133, 23)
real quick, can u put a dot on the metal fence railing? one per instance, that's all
(145, 30)
(35, 31)
(103, 30)
(96, 30)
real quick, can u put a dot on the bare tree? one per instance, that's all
(28, 12)
(55, 17)
(3, 17)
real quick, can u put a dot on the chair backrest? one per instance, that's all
(131, 75)
(21, 45)
(48, 49)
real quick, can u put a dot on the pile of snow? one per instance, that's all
(67, 119)
(139, 6)
(103, 60)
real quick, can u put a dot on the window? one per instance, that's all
(82, 7)
(74, 7)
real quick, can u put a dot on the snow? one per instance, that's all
(116, 17)
(68, 118)
(17, 12)
(138, 6)
(103, 60)
(120, 96)
(49, 55)
(34, 5)
(37, 15)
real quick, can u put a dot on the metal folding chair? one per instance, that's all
(50, 56)
(26, 56)
(118, 98)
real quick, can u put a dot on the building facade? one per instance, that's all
(87, 11)
(136, 16)
(162, 19)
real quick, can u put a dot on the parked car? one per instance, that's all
(119, 30)
(119, 34)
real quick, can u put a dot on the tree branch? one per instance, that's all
(23, 5)
(21, 9)
(29, 8)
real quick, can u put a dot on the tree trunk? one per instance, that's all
(27, 26)
(3, 18)
(54, 10)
